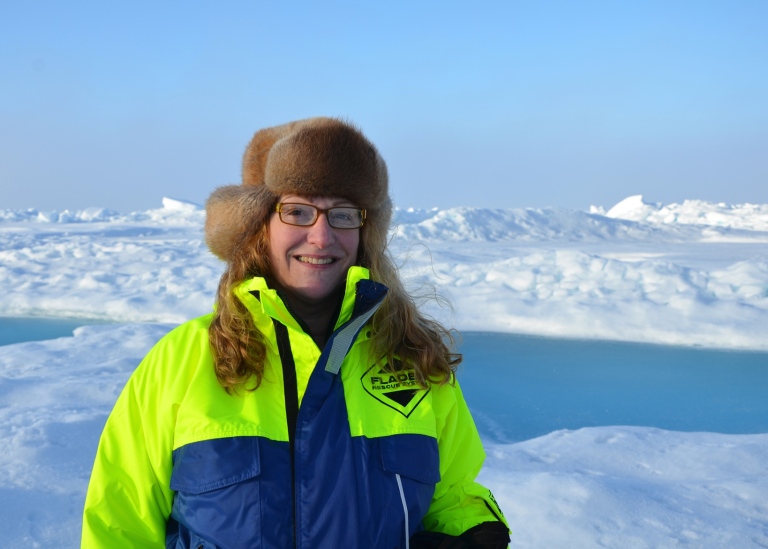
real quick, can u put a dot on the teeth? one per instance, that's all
(314, 261)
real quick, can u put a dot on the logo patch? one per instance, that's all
(397, 389)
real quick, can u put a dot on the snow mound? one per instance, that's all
(753, 217)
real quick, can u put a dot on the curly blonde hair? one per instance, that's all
(398, 329)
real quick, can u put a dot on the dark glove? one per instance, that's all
(488, 535)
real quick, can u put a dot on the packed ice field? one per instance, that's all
(693, 274)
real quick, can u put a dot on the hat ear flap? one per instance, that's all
(231, 212)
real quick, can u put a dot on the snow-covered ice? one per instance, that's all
(692, 274)
(546, 272)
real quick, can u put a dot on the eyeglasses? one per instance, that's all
(305, 215)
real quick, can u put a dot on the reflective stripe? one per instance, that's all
(405, 510)
(343, 340)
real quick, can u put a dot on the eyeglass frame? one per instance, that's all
(362, 212)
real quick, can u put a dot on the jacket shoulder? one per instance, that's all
(171, 363)
(189, 330)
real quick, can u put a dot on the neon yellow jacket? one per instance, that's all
(369, 457)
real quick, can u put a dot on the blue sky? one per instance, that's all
(492, 104)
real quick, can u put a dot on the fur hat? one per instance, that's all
(310, 158)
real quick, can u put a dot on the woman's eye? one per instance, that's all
(295, 211)
(343, 216)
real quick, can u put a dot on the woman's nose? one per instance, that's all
(321, 233)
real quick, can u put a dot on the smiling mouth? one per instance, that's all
(315, 260)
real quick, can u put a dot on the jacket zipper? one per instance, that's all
(291, 391)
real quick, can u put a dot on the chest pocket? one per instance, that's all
(217, 501)
(411, 465)
(204, 466)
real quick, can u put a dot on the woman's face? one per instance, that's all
(310, 263)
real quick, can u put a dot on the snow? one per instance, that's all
(693, 212)
(690, 274)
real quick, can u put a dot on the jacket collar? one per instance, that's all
(265, 303)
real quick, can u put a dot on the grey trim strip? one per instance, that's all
(343, 340)
(405, 510)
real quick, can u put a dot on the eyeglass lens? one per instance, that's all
(306, 214)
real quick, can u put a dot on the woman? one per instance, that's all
(315, 407)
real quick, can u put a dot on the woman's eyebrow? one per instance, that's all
(334, 202)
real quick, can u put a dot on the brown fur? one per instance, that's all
(231, 211)
(312, 157)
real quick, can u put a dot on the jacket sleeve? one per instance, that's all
(129, 499)
(459, 503)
